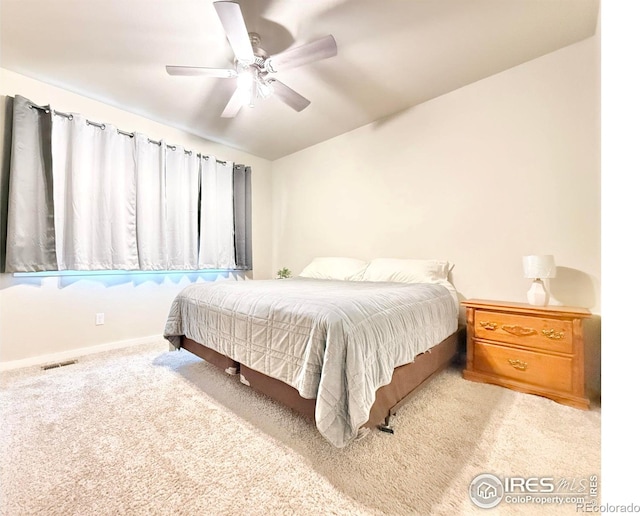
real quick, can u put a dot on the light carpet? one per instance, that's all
(148, 431)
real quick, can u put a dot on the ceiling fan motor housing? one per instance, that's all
(258, 52)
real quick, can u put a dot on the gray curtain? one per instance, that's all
(242, 216)
(30, 224)
(6, 120)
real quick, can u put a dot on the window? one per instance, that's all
(88, 196)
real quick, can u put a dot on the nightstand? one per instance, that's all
(533, 349)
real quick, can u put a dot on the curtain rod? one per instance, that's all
(69, 116)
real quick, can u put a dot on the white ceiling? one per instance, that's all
(391, 55)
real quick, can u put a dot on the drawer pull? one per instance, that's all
(488, 325)
(553, 334)
(518, 364)
(518, 331)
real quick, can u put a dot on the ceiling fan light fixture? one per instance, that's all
(268, 66)
(245, 80)
(247, 85)
(265, 89)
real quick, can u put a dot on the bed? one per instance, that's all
(346, 352)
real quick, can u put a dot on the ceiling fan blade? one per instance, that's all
(290, 97)
(314, 51)
(237, 100)
(223, 73)
(233, 23)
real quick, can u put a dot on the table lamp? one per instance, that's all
(538, 267)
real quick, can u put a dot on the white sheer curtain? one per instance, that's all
(182, 173)
(151, 203)
(94, 195)
(216, 217)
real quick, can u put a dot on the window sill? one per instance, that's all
(42, 274)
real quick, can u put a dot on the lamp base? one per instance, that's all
(537, 295)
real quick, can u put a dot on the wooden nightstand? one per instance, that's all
(533, 349)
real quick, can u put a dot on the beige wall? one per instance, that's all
(40, 316)
(504, 167)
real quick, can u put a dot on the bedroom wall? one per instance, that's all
(43, 316)
(504, 167)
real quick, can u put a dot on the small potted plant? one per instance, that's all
(283, 273)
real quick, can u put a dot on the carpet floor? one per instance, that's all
(148, 431)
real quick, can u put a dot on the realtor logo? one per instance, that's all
(486, 491)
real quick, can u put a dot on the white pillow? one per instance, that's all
(335, 268)
(406, 271)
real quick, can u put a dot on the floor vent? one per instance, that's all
(59, 364)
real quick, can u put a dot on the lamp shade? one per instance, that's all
(539, 266)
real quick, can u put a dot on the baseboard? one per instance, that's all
(71, 354)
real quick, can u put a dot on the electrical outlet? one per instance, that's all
(99, 319)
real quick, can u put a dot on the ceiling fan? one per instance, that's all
(254, 69)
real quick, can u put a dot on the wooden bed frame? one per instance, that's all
(405, 382)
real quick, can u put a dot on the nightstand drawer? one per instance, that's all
(522, 330)
(538, 369)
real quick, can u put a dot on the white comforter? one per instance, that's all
(337, 341)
